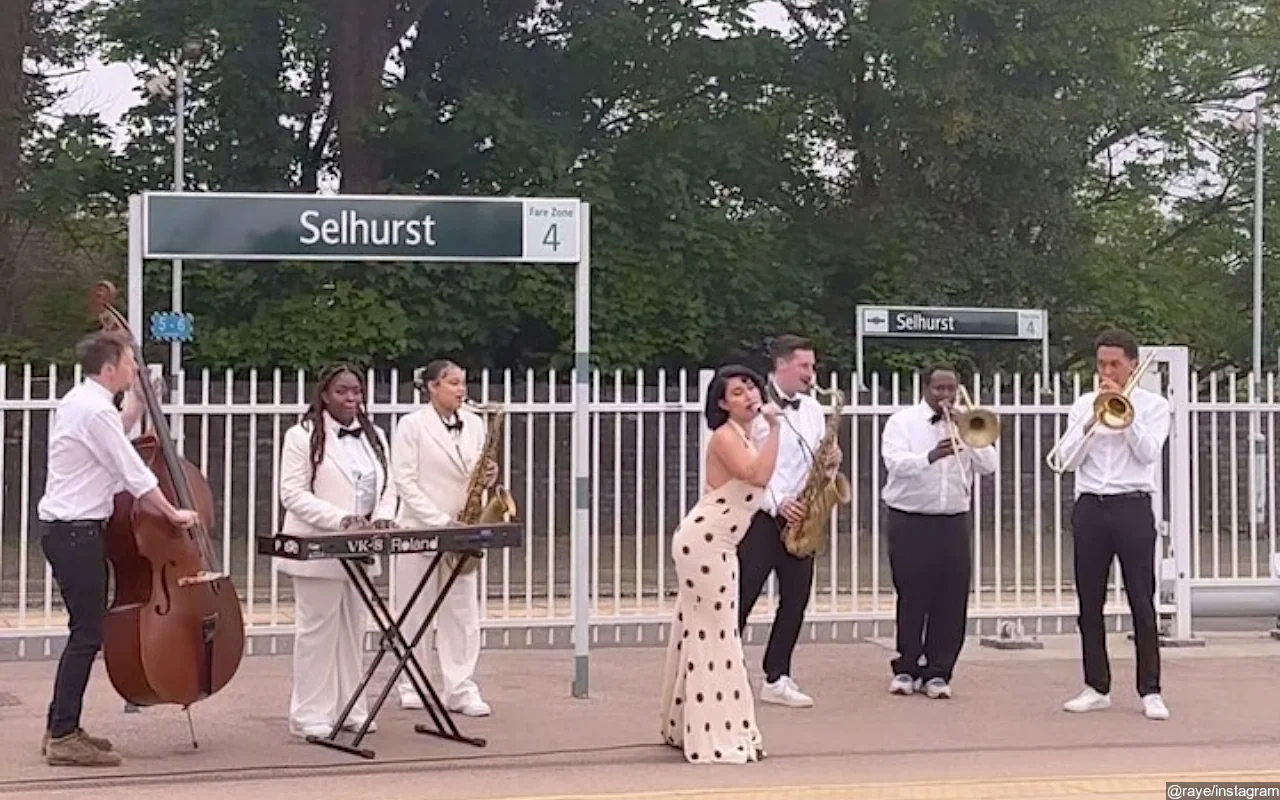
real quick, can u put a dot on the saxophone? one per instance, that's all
(821, 492)
(501, 507)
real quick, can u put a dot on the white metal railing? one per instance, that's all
(646, 434)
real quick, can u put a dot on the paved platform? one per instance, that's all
(1004, 734)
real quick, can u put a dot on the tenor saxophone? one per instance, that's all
(500, 507)
(821, 492)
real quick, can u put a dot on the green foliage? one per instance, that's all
(337, 321)
(57, 187)
(942, 152)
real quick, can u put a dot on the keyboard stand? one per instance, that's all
(393, 640)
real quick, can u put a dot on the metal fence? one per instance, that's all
(646, 434)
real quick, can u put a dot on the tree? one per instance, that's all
(744, 183)
(49, 181)
(15, 119)
(975, 140)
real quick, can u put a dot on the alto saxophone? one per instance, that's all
(821, 492)
(501, 507)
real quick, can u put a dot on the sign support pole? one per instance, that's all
(581, 531)
(859, 364)
(1044, 355)
(134, 288)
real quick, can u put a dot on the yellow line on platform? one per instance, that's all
(1112, 787)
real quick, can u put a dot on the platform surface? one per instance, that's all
(1003, 735)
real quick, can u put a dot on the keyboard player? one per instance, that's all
(333, 475)
(433, 453)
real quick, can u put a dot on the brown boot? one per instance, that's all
(75, 750)
(96, 741)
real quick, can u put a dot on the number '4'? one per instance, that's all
(550, 239)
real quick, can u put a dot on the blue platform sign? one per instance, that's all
(170, 326)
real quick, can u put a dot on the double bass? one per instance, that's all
(174, 632)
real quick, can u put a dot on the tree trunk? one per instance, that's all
(15, 26)
(359, 30)
(362, 33)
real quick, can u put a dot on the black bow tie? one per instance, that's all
(350, 432)
(783, 402)
(453, 427)
(935, 419)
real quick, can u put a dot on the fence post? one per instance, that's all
(1179, 490)
(704, 385)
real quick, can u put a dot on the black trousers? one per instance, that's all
(77, 557)
(1106, 527)
(760, 552)
(931, 565)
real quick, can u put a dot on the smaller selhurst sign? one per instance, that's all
(925, 322)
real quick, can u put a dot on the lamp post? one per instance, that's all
(159, 85)
(179, 181)
(1258, 464)
(190, 50)
(1259, 442)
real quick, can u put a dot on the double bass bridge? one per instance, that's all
(201, 577)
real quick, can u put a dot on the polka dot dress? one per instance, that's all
(707, 706)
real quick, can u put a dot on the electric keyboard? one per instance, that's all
(392, 541)
(350, 548)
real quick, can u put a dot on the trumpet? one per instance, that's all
(1112, 410)
(971, 427)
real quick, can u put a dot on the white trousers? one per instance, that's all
(328, 659)
(457, 626)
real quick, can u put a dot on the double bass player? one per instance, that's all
(90, 460)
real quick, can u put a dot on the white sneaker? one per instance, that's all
(902, 684)
(410, 701)
(473, 706)
(784, 692)
(937, 689)
(320, 731)
(353, 725)
(1153, 707)
(1088, 700)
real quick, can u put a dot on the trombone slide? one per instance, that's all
(1057, 460)
(957, 446)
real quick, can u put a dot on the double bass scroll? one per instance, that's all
(174, 632)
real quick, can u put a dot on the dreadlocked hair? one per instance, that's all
(315, 415)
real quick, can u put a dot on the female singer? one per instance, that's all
(707, 707)
(333, 475)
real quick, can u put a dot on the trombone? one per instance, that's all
(1112, 410)
(970, 426)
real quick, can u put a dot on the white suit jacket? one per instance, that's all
(430, 467)
(309, 512)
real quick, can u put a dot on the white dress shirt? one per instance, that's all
(916, 486)
(794, 455)
(90, 458)
(1117, 462)
(364, 472)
